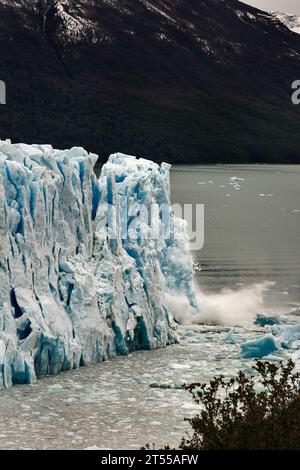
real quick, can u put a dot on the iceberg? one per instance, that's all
(79, 283)
(295, 311)
(267, 320)
(290, 336)
(229, 337)
(236, 179)
(259, 348)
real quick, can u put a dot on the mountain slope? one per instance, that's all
(177, 80)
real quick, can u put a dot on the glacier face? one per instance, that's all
(75, 289)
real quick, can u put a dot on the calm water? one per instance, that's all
(252, 234)
(127, 402)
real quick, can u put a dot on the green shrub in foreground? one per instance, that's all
(247, 413)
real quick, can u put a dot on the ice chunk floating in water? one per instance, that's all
(290, 336)
(267, 320)
(259, 348)
(71, 293)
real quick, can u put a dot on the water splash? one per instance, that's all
(228, 307)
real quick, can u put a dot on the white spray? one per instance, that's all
(229, 307)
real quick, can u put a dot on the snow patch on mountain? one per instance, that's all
(73, 27)
(291, 21)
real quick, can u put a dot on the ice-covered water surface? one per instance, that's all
(123, 403)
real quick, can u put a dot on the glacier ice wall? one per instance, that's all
(72, 293)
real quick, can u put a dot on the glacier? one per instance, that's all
(78, 283)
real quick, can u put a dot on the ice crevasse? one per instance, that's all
(70, 293)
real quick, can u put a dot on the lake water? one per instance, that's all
(252, 235)
(252, 232)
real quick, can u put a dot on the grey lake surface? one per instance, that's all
(252, 227)
(252, 235)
